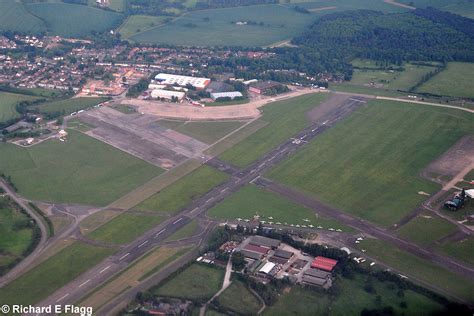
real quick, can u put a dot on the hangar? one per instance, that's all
(182, 81)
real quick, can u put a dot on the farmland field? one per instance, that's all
(426, 229)
(15, 231)
(208, 132)
(120, 230)
(461, 7)
(139, 23)
(180, 193)
(252, 200)
(71, 20)
(56, 271)
(456, 80)
(66, 107)
(266, 24)
(239, 299)
(368, 164)
(14, 17)
(285, 118)
(44, 171)
(197, 282)
(8, 102)
(420, 269)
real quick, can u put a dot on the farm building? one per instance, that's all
(267, 268)
(317, 277)
(281, 256)
(167, 95)
(251, 254)
(323, 263)
(264, 87)
(182, 81)
(258, 249)
(264, 242)
(232, 95)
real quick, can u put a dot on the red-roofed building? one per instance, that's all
(258, 249)
(323, 263)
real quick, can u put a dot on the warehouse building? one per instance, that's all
(317, 277)
(177, 96)
(264, 87)
(224, 95)
(251, 254)
(323, 263)
(281, 256)
(264, 242)
(182, 81)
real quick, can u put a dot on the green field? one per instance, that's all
(125, 228)
(343, 5)
(461, 250)
(391, 79)
(71, 20)
(67, 172)
(66, 107)
(207, 132)
(461, 7)
(179, 194)
(419, 269)
(138, 23)
(16, 233)
(285, 118)
(456, 80)
(14, 17)
(186, 231)
(252, 200)
(218, 27)
(368, 165)
(239, 299)
(352, 300)
(41, 281)
(8, 102)
(197, 282)
(426, 229)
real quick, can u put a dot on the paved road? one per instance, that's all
(25, 263)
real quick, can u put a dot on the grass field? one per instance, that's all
(67, 172)
(197, 282)
(461, 7)
(285, 118)
(180, 193)
(14, 17)
(343, 5)
(419, 269)
(207, 132)
(139, 23)
(368, 165)
(186, 231)
(15, 231)
(47, 277)
(238, 298)
(71, 20)
(125, 228)
(8, 102)
(218, 27)
(351, 300)
(66, 107)
(252, 200)
(461, 250)
(426, 229)
(456, 80)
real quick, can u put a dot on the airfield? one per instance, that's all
(206, 174)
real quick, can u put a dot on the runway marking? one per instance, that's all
(61, 298)
(85, 283)
(262, 164)
(124, 256)
(159, 233)
(209, 200)
(223, 190)
(179, 220)
(104, 269)
(254, 179)
(194, 210)
(143, 244)
(325, 122)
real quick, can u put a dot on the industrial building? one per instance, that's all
(232, 95)
(167, 95)
(265, 242)
(317, 277)
(182, 81)
(281, 256)
(264, 87)
(323, 263)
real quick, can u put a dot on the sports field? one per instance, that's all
(71, 20)
(139, 23)
(284, 118)
(66, 172)
(456, 80)
(368, 165)
(262, 25)
(207, 132)
(198, 282)
(252, 200)
(180, 193)
(419, 269)
(68, 106)
(239, 299)
(8, 102)
(47, 277)
(125, 228)
(16, 232)
(426, 229)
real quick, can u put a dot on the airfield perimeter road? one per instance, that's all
(97, 275)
